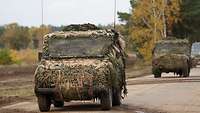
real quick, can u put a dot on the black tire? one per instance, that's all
(157, 73)
(116, 99)
(189, 69)
(106, 100)
(58, 103)
(186, 72)
(44, 103)
(181, 73)
(189, 72)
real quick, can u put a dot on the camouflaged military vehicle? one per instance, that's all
(81, 64)
(171, 55)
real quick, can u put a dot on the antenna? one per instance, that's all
(42, 9)
(42, 14)
(115, 11)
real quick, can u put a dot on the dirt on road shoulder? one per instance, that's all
(9, 72)
(16, 84)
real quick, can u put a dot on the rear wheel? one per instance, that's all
(180, 73)
(189, 67)
(58, 103)
(106, 100)
(157, 73)
(186, 72)
(44, 103)
(116, 99)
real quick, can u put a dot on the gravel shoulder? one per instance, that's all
(169, 94)
(17, 96)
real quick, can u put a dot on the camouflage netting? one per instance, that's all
(172, 62)
(76, 34)
(171, 54)
(79, 78)
(74, 76)
(83, 27)
(172, 47)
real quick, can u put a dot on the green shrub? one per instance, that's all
(5, 58)
(26, 56)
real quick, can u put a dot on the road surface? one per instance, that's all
(171, 94)
(168, 94)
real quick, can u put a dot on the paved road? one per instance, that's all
(171, 94)
(168, 94)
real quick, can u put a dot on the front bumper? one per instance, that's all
(45, 91)
(77, 93)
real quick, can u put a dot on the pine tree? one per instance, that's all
(188, 26)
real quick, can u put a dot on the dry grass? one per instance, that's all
(138, 68)
(26, 91)
(27, 56)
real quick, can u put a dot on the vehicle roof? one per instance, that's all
(173, 41)
(81, 34)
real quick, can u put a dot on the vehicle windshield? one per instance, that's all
(78, 47)
(172, 48)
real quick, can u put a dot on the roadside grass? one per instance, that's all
(26, 91)
(14, 57)
(24, 57)
(138, 69)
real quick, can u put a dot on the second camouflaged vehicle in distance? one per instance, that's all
(81, 64)
(172, 55)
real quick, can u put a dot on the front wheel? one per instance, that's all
(116, 100)
(106, 100)
(157, 73)
(58, 103)
(44, 103)
(186, 72)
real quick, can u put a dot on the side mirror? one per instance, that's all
(40, 56)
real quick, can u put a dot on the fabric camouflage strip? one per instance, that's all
(171, 54)
(76, 78)
(168, 61)
(77, 34)
(80, 27)
(172, 47)
(74, 74)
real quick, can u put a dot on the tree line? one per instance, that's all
(152, 20)
(16, 37)
(20, 44)
(148, 22)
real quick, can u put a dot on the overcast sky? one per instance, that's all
(60, 12)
